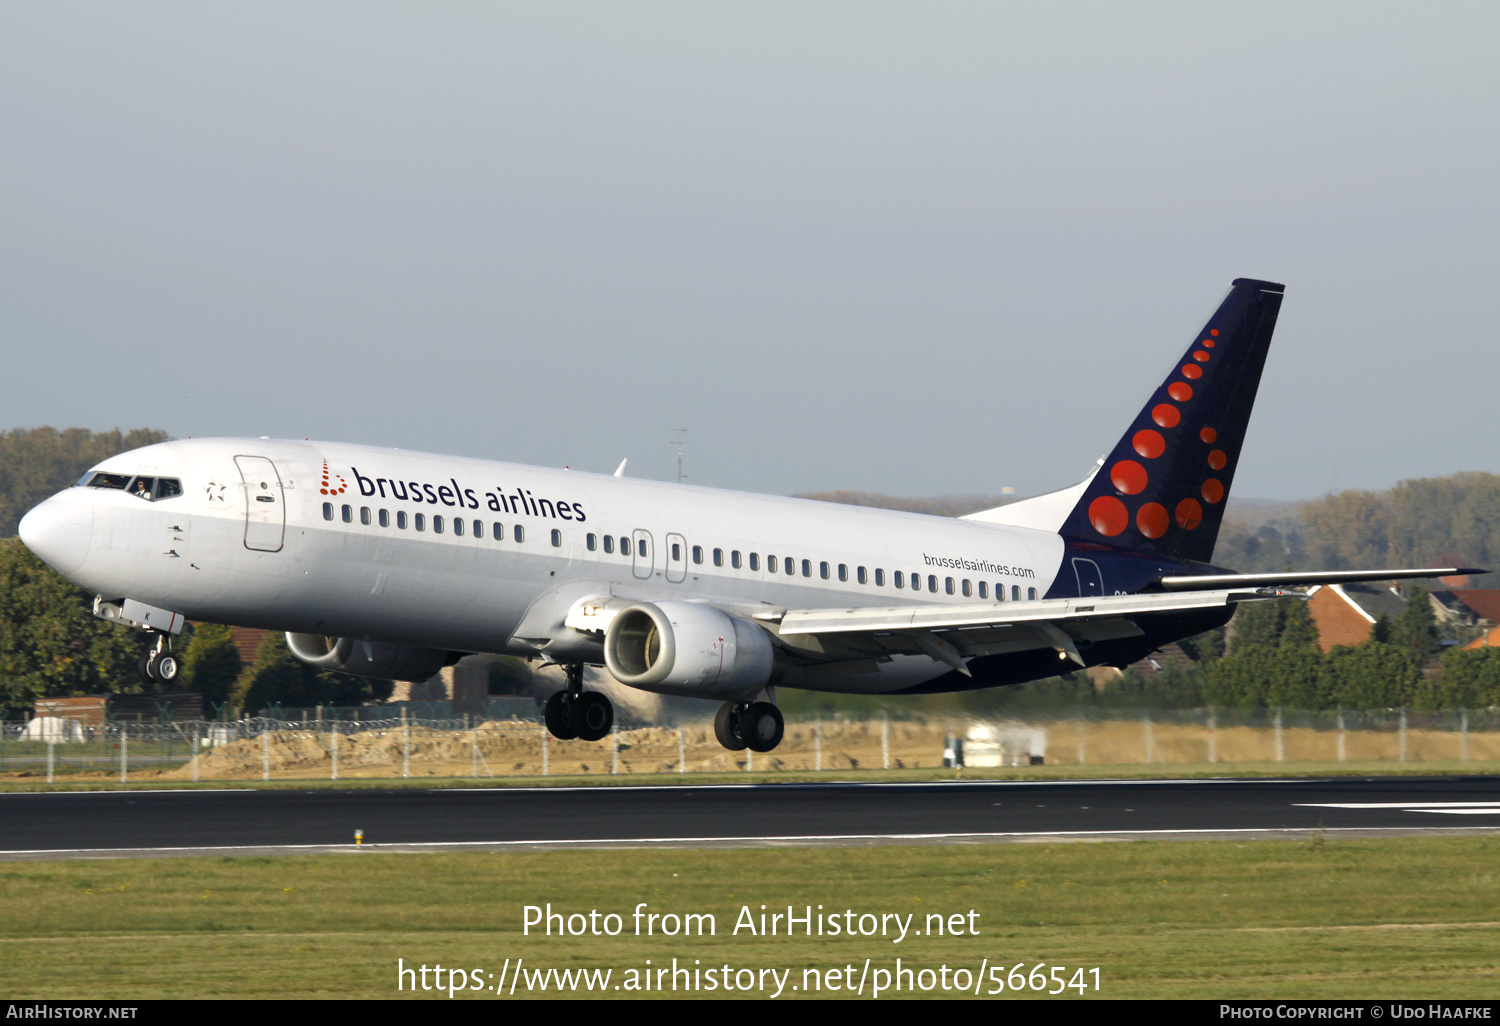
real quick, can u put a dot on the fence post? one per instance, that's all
(817, 748)
(1341, 734)
(544, 749)
(1150, 741)
(197, 747)
(1280, 748)
(49, 756)
(333, 747)
(885, 740)
(749, 760)
(474, 752)
(1403, 733)
(1463, 735)
(614, 736)
(1213, 737)
(265, 750)
(124, 758)
(405, 743)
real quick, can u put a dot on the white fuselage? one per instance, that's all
(486, 591)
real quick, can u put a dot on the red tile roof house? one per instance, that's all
(1346, 613)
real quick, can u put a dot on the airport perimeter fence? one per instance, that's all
(467, 747)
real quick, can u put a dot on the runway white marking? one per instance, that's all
(1411, 806)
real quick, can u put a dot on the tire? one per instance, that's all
(167, 668)
(594, 715)
(724, 724)
(148, 667)
(556, 715)
(763, 727)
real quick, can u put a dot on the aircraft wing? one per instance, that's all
(952, 633)
(1300, 578)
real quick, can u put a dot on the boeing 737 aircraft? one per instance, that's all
(387, 563)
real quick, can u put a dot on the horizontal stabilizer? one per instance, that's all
(1210, 582)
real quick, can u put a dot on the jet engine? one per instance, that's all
(682, 648)
(367, 658)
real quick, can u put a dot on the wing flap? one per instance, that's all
(1212, 582)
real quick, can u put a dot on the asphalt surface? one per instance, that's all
(182, 822)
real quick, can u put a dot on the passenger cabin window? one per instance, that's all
(401, 519)
(984, 590)
(822, 569)
(592, 541)
(844, 572)
(968, 588)
(327, 511)
(497, 531)
(1015, 593)
(624, 546)
(789, 565)
(879, 578)
(676, 552)
(718, 557)
(698, 555)
(755, 561)
(348, 514)
(932, 583)
(859, 575)
(458, 526)
(556, 538)
(609, 543)
(771, 563)
(948, 585)
(385, 518)
(479, 528)
(519, 533)
(899, 579)
(419, 521)
(437, 523)
(734, 559)
(364, 515)
(1031, 594)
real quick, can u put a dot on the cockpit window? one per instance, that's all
(148, 488)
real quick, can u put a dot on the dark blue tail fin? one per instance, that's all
(1162, 488)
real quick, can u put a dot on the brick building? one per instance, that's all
(1346, 613)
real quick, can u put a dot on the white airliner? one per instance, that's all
(387, 563)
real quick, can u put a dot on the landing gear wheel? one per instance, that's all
(166, 667)
(762, 726)
(558, 716)
(726, 722)
(593, 714)
(147, 667)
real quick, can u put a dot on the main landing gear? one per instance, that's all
(757, 726)
(159, 665)
(575, 713)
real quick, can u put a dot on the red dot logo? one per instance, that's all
(1217, 459)
(1108, 515)
(1180, 390)
(1129, 477)
(1149, 444)
(1201, 356)
(1208, 435)
(1213, 491)
(1208, 343)
(1214, 332)
(1189, 514)
(1192, 371)
(1166, 415)
(1151, 520)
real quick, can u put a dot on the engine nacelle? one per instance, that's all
(367, 658)
(682, 648)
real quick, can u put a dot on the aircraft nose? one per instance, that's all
(59, 533)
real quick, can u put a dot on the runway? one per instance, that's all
(158, 823)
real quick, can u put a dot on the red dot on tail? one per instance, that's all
(1129, 477)
(1213, 331)
(1213, 490)
(1208, 435)
(1201, 356)
(1149, 444)
(1189, 514)
(1193, 371)
(1166, 415)
(1180, 390)
(1217, 459)
(1108, 515)
(1151, 520)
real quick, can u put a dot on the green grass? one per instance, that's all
(1317, 918)
(111, 782)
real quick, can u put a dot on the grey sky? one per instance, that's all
(919, 249)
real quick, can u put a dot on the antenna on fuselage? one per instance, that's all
(680, 437)
(620, 470)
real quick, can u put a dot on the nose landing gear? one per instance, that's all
(159, 665)
(757, 726)
(575, 713)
